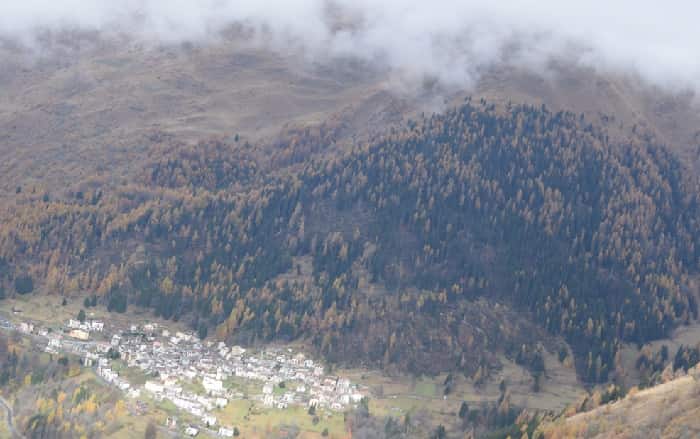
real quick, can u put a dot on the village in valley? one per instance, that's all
(197, 377)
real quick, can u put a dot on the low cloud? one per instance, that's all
(451, 41)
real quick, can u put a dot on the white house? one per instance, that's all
(197, 410)
(95, 325)
(191, 431)
(108, 374)
(212, 385)
(221, 402)
(89, 359)
(209, 420)
(268, 400)
(169, 381)
(205, 402)
(268, 388)
(220, 375)
(237, 351)
(226, 432)
(343, 385)
(153, 387)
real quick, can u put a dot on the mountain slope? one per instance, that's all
(379, 255)
(669, 410)
(83, 104)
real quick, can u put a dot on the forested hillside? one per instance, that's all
(397, 253)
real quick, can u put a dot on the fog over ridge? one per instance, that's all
(454, 41)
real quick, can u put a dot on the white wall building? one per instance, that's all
(221, 402)
(267, 389)
(268, 400)
(209, 420)
(154, 387)
(226, 432)
(212, 385)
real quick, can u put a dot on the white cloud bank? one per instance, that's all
(453, 40)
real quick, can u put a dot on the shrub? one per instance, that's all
(24, 284)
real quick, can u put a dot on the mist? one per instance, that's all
(450, 41)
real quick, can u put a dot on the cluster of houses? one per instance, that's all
(286, 378)
(305, 380)
(79, 331)
(195, 376)
(113, 378)
(26, 327)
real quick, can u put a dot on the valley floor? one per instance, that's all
(247, 408)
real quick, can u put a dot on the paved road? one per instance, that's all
(10, 418)
(9, 412)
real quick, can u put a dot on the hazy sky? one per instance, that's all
(450, 39)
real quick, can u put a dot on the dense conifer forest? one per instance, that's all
(410, 251)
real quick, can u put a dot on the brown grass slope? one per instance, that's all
(84, 105)
(670, 410)
(74, 112)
